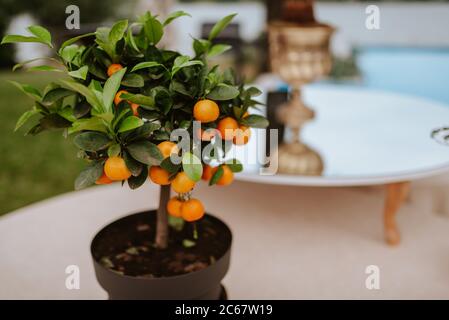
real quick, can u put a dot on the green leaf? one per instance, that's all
(177, 223)
(18, 38)
(216, 176)
(174, 15)
(89, 175)
(218, 49)
(133, 80)
(220, 26)
(140, 99)
(91, 124)
(201, 46)
(235, 165)
(30, 91)
(117, 31)
(223, 92)
(182, 62)
(42, 34)
(192, 166)
(56, 94)
(81, 73)
(90, 96)
(75, 39)
(255, 121)
(92, 141)
(134, 166)
(153, 30)
(20, 65)
(44, 68)
(102, 39)
(111, 87)
(54, 121)
(253, 92)
(145, 152)
(135, 182)
(130, 38)
(143, 65)
(130, 123)
(25, 117)
(169, 166)
(114, 150)
(186, 243)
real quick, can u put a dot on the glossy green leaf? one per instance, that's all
(192, 166)
(255, 121)
(74, 40)
(117, 31)
(218, 49)
(223, 92)
(175, 15)
(235, 165)
(91, 124)
(114, 150)
(111, 87)
(90, 96)
(81, 73)
(133, 165)
(140, 99)
(42, 34)
(130, 123)
(145, 152)
(25, 117)
(133, 80)
(216, 176)
(11, 38)
(220, 26)
(30, 91)
(144, 65)
(153, 30)
(89, 175)
(135, 182)
(92, 141)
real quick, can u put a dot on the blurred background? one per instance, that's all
(412, 46)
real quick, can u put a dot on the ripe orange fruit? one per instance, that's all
(227, 127)
(115, 169)
(182, 183)
(208, 172)
(159, 176)
(117, 98)
(134, 107)
(227, 177)
(206, 111)
(206, 135)
(113, 68)
(103, 179)
(192, 210)
(174, 207)
(167, 148)
(242, 135)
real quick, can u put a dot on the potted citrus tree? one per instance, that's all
(138, 112)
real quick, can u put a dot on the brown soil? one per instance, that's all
(127, 247)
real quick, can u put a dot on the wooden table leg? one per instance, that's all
(396, 194)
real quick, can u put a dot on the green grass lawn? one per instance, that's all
(32, 167)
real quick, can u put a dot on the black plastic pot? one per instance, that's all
(197, 285)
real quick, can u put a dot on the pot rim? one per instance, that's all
(190, 274)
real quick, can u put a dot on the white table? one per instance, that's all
(366, 137)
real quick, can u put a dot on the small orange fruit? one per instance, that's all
(116, 170)
(227, 127)
(206, 111)
(174, 207)
(117, 98)
(227, 177)
(182, 183)
(167, 148)
(159, 176)
(192, 210)
(113, 68)
(206, 135)
(208, 172)
(242, 135)
(134, 107)
(103, 179)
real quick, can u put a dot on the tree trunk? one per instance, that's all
(162, 218)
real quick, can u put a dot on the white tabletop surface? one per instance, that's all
(288, 242)
(365, 137)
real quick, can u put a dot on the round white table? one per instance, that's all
(365, 137)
